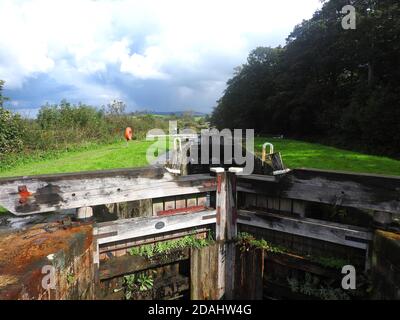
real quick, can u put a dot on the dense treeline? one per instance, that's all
(327, 83)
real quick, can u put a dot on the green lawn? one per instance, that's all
(117, 155)
(299, 154)
(296, 154)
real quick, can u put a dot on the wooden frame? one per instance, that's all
(139, 227)
(28, 195)
(351, 236)
(363, 191)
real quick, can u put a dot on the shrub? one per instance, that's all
(10, 128)
(10, 132)
(66, 116)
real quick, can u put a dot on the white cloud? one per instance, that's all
(151, 39)
(146, 66)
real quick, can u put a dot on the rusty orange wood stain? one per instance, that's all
(23, 253)
(24, 194)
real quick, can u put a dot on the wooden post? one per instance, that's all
(231, 232)
(226, 229)
(220, 228)
(232, 202)
(84, 213)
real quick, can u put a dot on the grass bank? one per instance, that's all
(300, 154)
(95, 157)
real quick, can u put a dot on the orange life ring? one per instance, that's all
(128, 133)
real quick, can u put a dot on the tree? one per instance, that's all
(10, 128)
(335, 85)
(2, 98)
(116, 107)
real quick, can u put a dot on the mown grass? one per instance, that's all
(295, 154)
(98, 157)
(300, 154)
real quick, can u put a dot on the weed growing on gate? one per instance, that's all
(247, 241)
(314, 286)
(137, 282)
(164, 248)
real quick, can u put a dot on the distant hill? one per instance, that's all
(171, 113)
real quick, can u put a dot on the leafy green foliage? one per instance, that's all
(329, 262)
(163, 248)
(2, 98)
(246, 241)
(335, 85)
(10, 132)
(66, 115)
(142, 281)
(313, 286)
(70, 278)
(10, 129)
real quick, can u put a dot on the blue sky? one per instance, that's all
(154, 55)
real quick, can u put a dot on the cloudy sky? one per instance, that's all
(161, 55)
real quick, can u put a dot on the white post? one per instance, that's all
(84, 213)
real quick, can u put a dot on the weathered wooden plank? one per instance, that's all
(194, 274)
(327, 231)
(248, 274)
(262, 201)
(213, 263)
(293, 261)
(73, 192)
(251, 200)
(142, 226)
(299, 207)
(180, 202)
(261, 177)
(375, 192)
(220, 230)
(203, 273)
(385, 269)
(118, 266)
(191, 201)
(125, 245)
(169, 203)
(202, 200)
(181, 210)
(226, 229)
(158, 205)
(148, 171)
(285, 205)
(273, 203)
